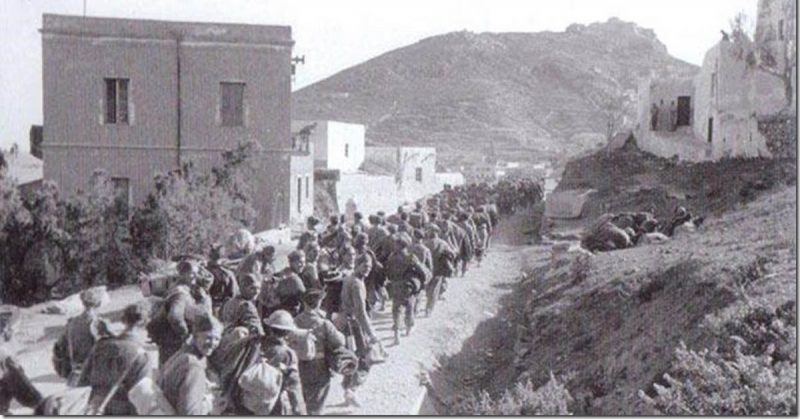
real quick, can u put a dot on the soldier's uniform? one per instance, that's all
(315, 374)
(172, 327)
(80, 335)
(109, 361)
(403, 271)
(289, 291)
(240, 312)
(185, 384)
(444, 259)
(281, 356)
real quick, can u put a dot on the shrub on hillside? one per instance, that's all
(752, 372)
(553, 398)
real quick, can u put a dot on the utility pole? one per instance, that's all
(84, 8)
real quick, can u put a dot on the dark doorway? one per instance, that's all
(710, 129)
(299, 194)
(684, 111)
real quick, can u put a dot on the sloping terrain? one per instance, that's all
(534, 95)
(629, 179)
(613, 329)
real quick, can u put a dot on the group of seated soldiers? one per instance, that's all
(627, 229)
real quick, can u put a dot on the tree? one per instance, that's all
(189, 210)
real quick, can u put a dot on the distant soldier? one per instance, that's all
(359, 226)
(183, 377)
(315, 375)
(225, 285)
(405, 274)
(376, 279)
(355, 322)
(444, 263)
(14, 384)
(172, 325)
(376, 232)
(276, 351)
(80, 334)
(261, 262)
(310, 274)
(241, 311)
(290, 289)
(120, 359)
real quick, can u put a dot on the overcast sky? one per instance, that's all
(336, 34)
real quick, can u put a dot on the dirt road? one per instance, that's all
(393, 388)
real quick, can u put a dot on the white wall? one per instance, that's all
(449, 178)
(366, 193)
(345, 137)
(412, 158)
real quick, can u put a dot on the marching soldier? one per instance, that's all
(241, 311)
(121, 359)
(183, 377)
(315, 374)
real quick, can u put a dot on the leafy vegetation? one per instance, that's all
(752, 372)
(50, 246)
(553, 398)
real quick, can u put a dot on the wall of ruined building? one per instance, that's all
(681, 143)
(774, 17)
(739, 93)
(780, 133)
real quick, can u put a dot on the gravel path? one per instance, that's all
(393, 388)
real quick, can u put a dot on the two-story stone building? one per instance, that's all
(139, 97)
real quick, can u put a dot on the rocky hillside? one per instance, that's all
(533, 95)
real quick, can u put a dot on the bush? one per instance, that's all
(98, 252)
(752, 372)
(190, 211)
(552, 398)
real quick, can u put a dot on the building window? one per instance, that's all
(418, 174)
(308, 187)
(117, 101)
(232, 104)
(299, 194)
(347, 150)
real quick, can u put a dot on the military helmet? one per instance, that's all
(282, 320)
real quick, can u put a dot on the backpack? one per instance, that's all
(304, 344)
(260, 386)
(149, 400)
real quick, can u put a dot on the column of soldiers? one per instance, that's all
(237, 336)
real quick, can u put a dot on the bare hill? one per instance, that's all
(532, 94)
